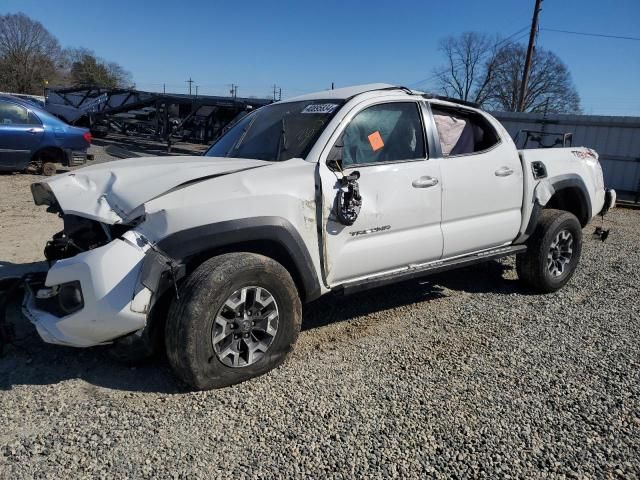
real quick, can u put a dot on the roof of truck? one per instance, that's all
(349, 92)
(342, 93)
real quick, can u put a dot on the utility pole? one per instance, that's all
(164, 88)
(530, 48)
(274, 92)
(280, 94)
(189, 82)
(196, 90)
(234, 90)
(331, 85)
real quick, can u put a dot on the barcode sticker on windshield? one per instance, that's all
(320, 108)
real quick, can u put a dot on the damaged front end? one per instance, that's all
(105, 275)
(102, 282)
(81, 235)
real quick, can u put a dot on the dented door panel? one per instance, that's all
(398, 224)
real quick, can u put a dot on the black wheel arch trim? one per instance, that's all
(533, 220)
(557, 183)
(572, 180)
(194, 241)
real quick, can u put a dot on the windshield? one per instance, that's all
(276, 132)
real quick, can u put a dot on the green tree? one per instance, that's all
(85, 68)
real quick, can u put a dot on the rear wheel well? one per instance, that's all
(49, 154)
(571, 199)
(268, 248)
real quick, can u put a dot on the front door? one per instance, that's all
(399, 221)
(20, 135)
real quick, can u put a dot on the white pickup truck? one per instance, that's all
(335, 191)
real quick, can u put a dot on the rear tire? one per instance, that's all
(214, 338)
(49, 169)
(553, 252)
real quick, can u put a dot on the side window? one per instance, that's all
(12, 114)
(463, 132)
(384, 133)
(33, 120)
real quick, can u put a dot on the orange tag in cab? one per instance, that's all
(375, 140)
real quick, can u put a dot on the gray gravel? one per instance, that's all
(461, 375)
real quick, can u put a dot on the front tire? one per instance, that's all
(553, 252)
(237, 317)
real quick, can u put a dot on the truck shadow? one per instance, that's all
(29, 361)
(485, 277)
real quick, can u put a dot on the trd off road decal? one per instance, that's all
(320, 108)
(357, 233)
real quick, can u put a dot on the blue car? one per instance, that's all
(32, 138)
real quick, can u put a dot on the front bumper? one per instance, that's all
(115, 303)
(609, 201)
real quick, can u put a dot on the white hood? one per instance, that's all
(112, 192)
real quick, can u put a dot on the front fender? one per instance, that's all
(194, 241)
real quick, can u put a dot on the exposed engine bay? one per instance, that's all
(80, 235)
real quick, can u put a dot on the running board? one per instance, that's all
(431, 268)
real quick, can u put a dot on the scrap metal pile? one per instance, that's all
(169, 117)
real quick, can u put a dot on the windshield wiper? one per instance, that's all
(241, 138)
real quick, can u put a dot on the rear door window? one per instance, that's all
(463, 132)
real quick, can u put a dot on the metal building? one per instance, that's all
(616, 139)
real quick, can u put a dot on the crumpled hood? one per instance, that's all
(112, 192)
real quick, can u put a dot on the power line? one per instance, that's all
(277, 93)
(587, 34)
(520, 37)
(526, 27)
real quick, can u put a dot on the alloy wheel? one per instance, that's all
(245, 326)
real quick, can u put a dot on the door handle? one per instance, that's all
(424, 182)
(504, 171)
(35, 130)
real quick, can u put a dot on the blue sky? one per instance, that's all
(303, 46)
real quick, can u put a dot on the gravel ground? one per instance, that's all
(464, 374)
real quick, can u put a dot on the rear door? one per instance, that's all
(21, 134)
(482, 182)
(399, 221)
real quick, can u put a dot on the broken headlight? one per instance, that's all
(80, 235)
(60, 300)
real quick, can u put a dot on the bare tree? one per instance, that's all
(486, 71)
(470, 66)
(549, 89)
(29, 54)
